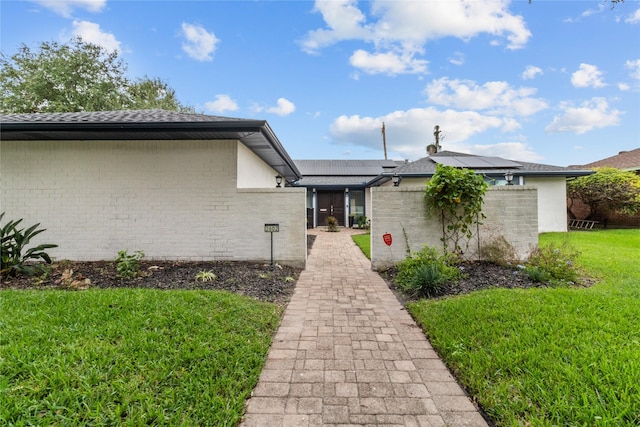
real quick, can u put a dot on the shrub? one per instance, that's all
(426, 272)
(332, 224)
(128, 265)
(427, 281)
(499, 251)
(14, 256)
(363, 222)
(557, 261)
(456, 195)
(537, 274)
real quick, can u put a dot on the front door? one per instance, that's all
(330, 203)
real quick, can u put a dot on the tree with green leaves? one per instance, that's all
(76, 76)
(607, 189)
(457, 195)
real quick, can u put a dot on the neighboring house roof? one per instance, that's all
(341, 173)
(625, 160)
(493, 166)
(257, 135)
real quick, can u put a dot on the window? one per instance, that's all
(356, 205)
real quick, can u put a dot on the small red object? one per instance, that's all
(388, 239)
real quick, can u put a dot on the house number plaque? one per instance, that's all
(272, 228)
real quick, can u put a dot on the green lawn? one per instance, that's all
(130, 356)
(364, 243)
(545, 357)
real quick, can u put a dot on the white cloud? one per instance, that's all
(506, 150)
(222, 103)
(590, 115)
(634, 68)
(284, 107)
(493, 97)
(403, 28)
(633, 18)
(199, 43)
(409, 132)
(590, 12)
(457, 58)
(387, 63)
(90, 32)
(66, 7)
(587, 76)
(531, 72)
(344, 21)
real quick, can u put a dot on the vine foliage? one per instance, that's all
(457, 196)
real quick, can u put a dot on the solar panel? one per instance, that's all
(475, 162)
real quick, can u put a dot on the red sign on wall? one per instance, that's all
(388, 239)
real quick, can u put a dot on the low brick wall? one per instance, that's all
(511, 212)
(171, 199)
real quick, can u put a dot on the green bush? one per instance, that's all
(557, 262)
(128, 265)
(14, 255)
(426, 272)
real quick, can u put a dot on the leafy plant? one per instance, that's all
(15, 256)
(206, 276)
(557, 261)
(128, 265)
(537, 274)
(426, 272)
(332, 224)
(457, 196)
(363, 222)
(427, 281)
(607, 189)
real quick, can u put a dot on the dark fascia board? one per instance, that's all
(237, 129)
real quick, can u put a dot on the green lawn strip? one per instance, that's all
(130, 356)
(364, 243)
(550, 356)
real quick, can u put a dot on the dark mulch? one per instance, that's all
(261, 281)
(258, 280)
(477, 275)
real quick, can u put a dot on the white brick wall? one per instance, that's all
(511, 212)
(171, 199)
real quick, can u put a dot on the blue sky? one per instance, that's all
(555, 82)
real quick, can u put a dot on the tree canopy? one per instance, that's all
(607, 189)
(76, 76)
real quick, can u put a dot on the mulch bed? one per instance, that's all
(258, 280)
(477, 275)
(261, 281)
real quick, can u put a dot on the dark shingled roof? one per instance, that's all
(344, 167)
(257, 135)
(625, 160)
(120, 116)
(426, 167)
(341, 173)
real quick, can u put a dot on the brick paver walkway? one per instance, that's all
(347, 353)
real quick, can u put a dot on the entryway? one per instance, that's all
(330, 203)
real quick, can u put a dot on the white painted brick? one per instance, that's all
(171, 199)
(510, 211)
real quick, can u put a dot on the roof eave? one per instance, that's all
(243, 130)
